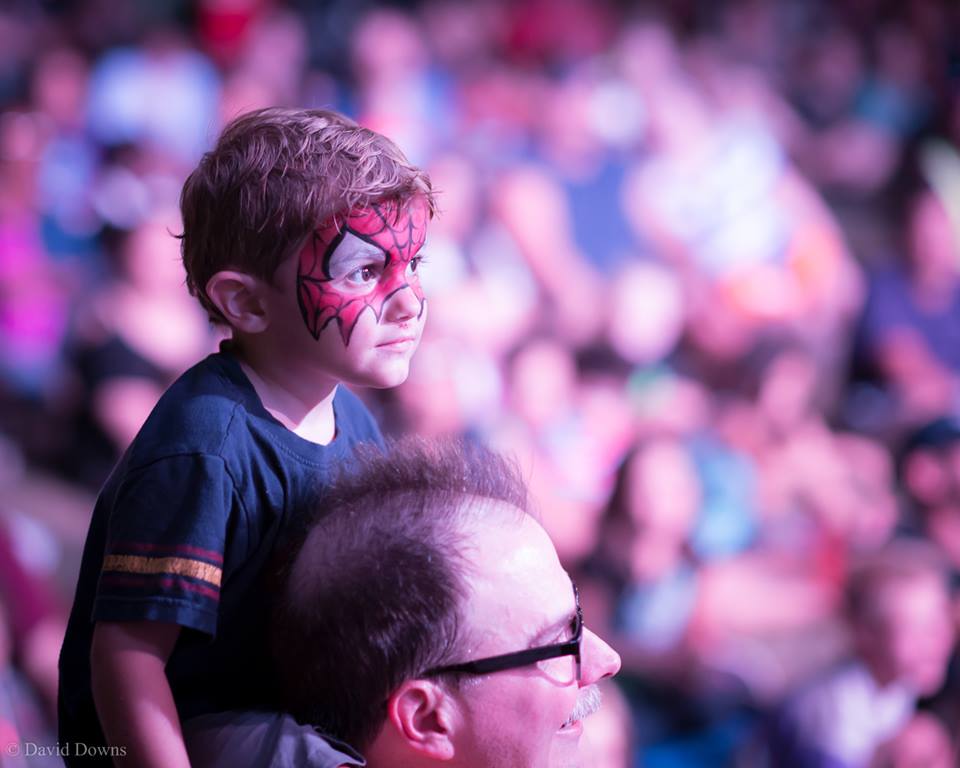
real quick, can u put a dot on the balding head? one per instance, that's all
(371, 586)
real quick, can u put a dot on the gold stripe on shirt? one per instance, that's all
(178, 566)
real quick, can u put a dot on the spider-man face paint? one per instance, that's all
(358, 263)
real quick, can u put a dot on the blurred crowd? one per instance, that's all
(697, 268)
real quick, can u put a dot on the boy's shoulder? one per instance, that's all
(213, 409)
(197, 412)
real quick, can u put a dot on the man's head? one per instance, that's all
(898, 606)
(429, 560)
(300, 221)
(652, 510)
(929, 467)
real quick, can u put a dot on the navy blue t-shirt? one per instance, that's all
(182, 531)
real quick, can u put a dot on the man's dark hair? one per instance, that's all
(938, 434)
(370, 587)
(273, 177)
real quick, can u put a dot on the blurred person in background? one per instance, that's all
(758, 253)
(161, 94)
(902, 631)
(136, 333)
(396, 93)
(34, 298)
(544, 425)
(929, 469)
(924, 742)
(31, 629)
(683, 600)
(822, 490)
(531, 206)
(929, 478)
(908, 341)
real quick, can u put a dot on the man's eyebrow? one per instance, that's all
(551, 630)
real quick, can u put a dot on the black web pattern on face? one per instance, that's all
(320, 304)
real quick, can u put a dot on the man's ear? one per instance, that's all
(239, 297)
(423, 717)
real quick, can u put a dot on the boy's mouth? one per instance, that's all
(399, 344)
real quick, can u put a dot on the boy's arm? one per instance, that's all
(132, 694)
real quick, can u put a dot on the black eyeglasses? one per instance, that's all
(522, 658)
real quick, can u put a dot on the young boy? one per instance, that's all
(301, 233)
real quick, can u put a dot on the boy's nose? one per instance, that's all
(402, 305)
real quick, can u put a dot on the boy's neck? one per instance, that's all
(291, 393)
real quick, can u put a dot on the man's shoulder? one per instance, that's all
(258, 739)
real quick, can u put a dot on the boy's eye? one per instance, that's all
(414, 264)
(363, 275)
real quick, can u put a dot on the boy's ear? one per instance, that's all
(423, 717)
(240, 299)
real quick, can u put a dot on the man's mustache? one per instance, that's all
(588, 702)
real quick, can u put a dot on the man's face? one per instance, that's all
(520, 597)
(910, 634)
(361, 309)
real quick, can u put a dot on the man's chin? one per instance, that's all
(565, 750)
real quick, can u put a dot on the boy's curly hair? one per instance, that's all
(274, 175)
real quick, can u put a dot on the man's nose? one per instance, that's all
(597, 659)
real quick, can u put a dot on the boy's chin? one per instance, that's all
(386, 378)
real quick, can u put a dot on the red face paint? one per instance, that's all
(396, 233)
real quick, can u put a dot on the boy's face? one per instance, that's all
(359, 295)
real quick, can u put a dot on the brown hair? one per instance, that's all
(274, 175)
(369, 589)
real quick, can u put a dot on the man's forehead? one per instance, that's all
(513, 574)
(501, 525)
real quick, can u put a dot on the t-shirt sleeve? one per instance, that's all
(166, 538)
